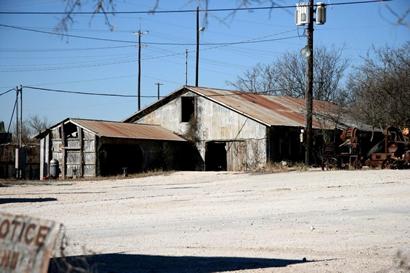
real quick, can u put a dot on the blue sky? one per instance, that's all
(35, 59)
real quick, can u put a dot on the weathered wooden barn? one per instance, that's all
(87, 148)
(233, 130)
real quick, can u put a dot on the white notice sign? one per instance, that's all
(26, 243)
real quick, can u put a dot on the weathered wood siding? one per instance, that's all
(76, 155)
(215, 122)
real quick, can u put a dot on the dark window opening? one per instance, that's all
(70, 130)
(215, 156)
(187, 108)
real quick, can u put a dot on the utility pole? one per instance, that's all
(139, 33)
(139, 70)
(158, 89)
(21, 116)
(305, 16)
(186, 66)
(19, 132)
(17, 117)
(198, 31)
(309, 87)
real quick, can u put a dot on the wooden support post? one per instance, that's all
(81, 139)
(96, 151)
(63, 142)
(42, 158)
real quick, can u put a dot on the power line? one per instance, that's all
(225, 43)
(173, 53)
(47, 50)
(62, 49)
(81, 92)
(139, 12)
(256, 39)
(77, 64)
(237, 93)
(355, 3)
(4, 93)
(85, 65)
(67, 35)
(88, 80)
(146, 43)
(92, 59)
(176, 11)
(67, 67)
(99, 64)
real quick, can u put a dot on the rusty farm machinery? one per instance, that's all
(356, 149)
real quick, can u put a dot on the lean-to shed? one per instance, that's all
(87, 148)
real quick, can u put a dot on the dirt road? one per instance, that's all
(340, 221)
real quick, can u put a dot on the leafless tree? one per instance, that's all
(381, 87)
(37, 124)
(31, 127)
(287, 75)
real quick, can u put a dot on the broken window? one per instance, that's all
(187, 108)
(70, 130)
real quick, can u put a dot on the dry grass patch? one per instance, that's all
(284, 166)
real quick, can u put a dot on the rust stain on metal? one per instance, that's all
(128, 130)
(26, 243)
(269, 103)
(271, 110)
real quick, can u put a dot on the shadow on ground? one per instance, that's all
(26, 200)
(126, 263)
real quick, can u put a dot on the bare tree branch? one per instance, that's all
(400, 19)
(102, 6)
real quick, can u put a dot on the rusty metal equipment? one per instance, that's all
(393, 152)
(344, 155)
(329, 159)
(349, 155)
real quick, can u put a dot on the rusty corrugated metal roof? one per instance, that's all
(267, 109)
(114, 129)
(271, 110)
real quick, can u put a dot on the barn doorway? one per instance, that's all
(215, 156)
(115, 157)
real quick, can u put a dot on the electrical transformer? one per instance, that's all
(302, 14)
(320, 13)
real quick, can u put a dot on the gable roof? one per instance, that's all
(266, 109)
(113, 129)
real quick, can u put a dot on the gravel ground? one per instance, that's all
(339, 221)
